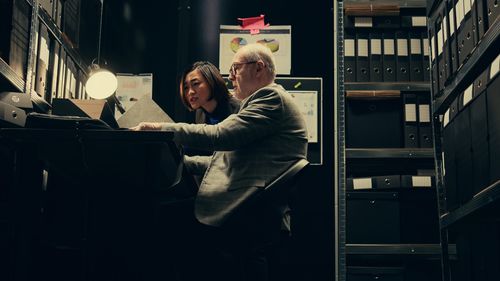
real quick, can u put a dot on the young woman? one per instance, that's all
(203, 89)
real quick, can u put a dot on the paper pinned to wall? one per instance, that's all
(131, 88)
(278, 38)
(307, 101)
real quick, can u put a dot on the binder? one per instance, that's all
(349, 58)
(452, 38)
(68, 79)
(390, 181)
(481, 18)
(479, 143)
(449, 160)
(467, 34)
(481, 82)
(426, 63)
(373, 123)
(362, 59)
(493, 11)
(416, 61)
(492, 101)
(54, 70)
(446, 44)
(459, 12)
(376, 63)
(424, 120)
(42, 63)
(441, 55)
(433, 60)
(410, 120)
(475, 21)
(387, 22)
(463, 155)
(403, 60)
(61, 75)
(389, 59)
(58, 11)
(373, 209)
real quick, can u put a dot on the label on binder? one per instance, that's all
(389, 47)
(426, 47)
(349, 47)
(452, 22)
(363, 47)
(468, 95)
(418, 21)
(421, 181)
(459, 8)
(424, 112)
(494, 67)
(402, 47)
(415, 46)
(363, 22)
(467, 7)
(446, 118)
(362, 183)
(410, 112)
(440, 42)
(376, 46)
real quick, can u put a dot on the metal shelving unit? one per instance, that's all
(370, 160)
(460, 222)
(58, 35)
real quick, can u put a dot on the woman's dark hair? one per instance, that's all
(218, 89)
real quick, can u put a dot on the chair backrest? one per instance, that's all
(265, 210)
(291, 172)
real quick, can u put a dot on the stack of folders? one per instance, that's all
(375, 122)
(386, 49)
(471, 138)
(390, 181)
(455, 29)
(417, 120)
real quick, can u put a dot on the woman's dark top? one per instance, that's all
(221, 112)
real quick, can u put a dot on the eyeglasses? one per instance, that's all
(235, 66)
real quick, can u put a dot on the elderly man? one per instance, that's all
(252, 148)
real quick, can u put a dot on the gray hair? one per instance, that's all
(255, 52)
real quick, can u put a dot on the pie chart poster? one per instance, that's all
(277, 38)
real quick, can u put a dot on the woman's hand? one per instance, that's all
(147, 126)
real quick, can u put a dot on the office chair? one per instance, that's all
(266, 218)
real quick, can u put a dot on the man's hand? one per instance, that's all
(147, 126)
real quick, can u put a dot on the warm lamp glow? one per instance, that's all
(101, 83)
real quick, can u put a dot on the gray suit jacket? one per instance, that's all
(252, 148)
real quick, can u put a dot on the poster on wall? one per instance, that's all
(307, 101)
(131, 88)
(278, 38)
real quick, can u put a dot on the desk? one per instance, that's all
(96, 215)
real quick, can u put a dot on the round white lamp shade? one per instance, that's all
(101, 84)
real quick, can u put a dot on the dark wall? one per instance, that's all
(162, 37)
